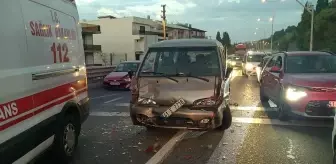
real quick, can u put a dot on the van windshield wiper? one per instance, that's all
(196, 77)
(161, 75)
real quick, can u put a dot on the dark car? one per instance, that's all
(182, 84)
(303, 83)
(119, 77)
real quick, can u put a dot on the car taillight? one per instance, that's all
(134, 90)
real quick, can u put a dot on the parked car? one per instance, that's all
(119, 79)
(333, 143)
(261, 66)
(250, 63)
(303, 83)
(187, 87)
(43, 93)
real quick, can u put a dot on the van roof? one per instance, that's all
(187, 43)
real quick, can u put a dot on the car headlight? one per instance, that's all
(295, 93)
(249, 66)
(146, 101)
(127, 79)
(233, 63)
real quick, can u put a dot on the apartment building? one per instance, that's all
(126, 38)
(88, 30)
(183, 31)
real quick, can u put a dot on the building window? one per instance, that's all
(142, 29)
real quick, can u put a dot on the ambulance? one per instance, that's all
(43, 86)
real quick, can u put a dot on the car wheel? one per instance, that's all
(66, 138)
(227, 119)
(283, 112)
(263, 98)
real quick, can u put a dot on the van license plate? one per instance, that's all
(114, 83)
(173, 108)
(332, 104)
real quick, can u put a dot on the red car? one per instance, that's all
(303, 83)
(119, 78)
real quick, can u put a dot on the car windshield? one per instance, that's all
(255, 58)
(311, 64)
(237, 58)
(125, 67)
(196, 61)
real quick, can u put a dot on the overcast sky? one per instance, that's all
(237, 17)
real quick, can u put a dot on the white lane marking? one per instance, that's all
(122, 104)
(272, 104)
(113, 100)
(290, 153)
(103, 96)
(36, 151)
(247, 120)
(251, 108)
(167, 148)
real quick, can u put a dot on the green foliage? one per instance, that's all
(325, 30)
(218, 38)
(321, 4)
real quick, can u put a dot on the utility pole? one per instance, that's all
(164, 20)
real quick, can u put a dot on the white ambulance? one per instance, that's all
(43, 86)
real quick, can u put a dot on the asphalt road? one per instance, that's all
(255, 137)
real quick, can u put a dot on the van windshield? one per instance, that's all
(196, 61)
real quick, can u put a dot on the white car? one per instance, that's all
(251, 62)
(43, 88)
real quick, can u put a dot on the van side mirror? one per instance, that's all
(275, 69)
(228, 71)
(130, 74)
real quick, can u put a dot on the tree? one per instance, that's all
(218, 36)
(325, 30)
(321, 4)
(303, 30)
(226, 41)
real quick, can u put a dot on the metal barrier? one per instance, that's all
(97, 73)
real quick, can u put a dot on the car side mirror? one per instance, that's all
(275, 69)
(130, 74)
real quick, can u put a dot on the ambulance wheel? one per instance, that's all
(66, 138)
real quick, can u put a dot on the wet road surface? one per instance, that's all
(255, 137)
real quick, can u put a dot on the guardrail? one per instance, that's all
(97, 73)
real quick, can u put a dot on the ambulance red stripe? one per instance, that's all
(26, 104)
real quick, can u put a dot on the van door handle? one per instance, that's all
(53, 73)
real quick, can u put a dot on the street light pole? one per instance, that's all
(272, 19)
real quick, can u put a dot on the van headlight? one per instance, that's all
(248, 66)
(233, 63)
(295, 93)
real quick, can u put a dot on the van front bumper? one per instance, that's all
(183, 118)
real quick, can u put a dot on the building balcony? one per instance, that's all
(92, 48)
(152, 32)
(90, 28)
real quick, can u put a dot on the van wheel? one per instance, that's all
(227, 119)
(66, 138)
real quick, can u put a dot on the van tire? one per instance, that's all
(69, 126)
(226, 120)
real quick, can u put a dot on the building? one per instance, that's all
(88, 30)
(184, 31)
(126, 38)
